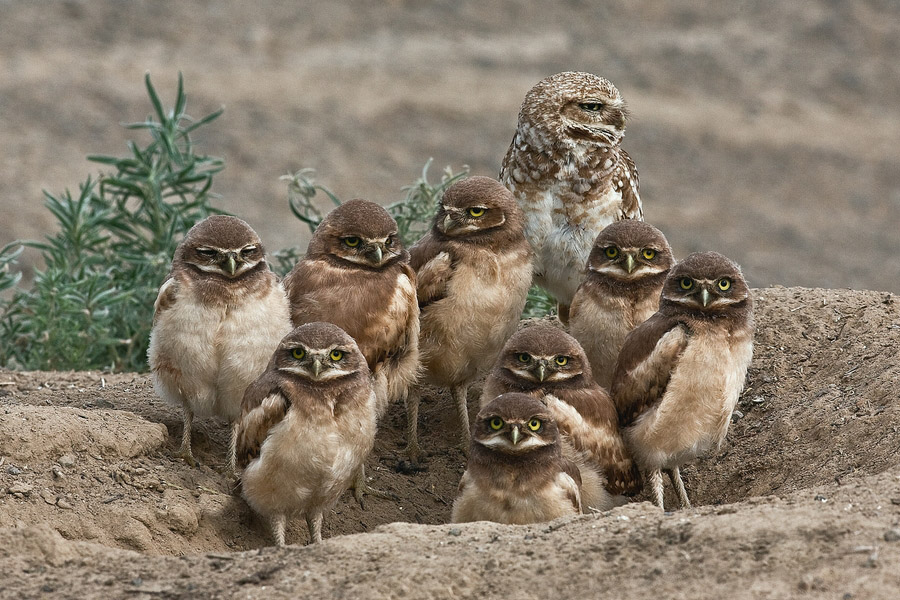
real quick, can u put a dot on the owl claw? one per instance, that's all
(188, 457)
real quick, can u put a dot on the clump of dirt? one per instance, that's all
(804, 495)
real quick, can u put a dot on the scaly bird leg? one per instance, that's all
(675, 476)
(361, 487)
(232, 449)
(460, 397)
(413, 451)
(185, 451)
(656, 482)
(278, 523)
(314, 523)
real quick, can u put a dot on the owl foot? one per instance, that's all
(361, 488)
(186, 455)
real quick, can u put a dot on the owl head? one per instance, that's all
(705, 284)
(318, 354)
(358, 233)
(574, 108)
(544, 357)
(514, 424)
(477, 210)
(221, 247)
(628, 251)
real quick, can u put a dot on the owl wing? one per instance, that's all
(631, 198)
(263, 407)
(433, 267)
(645, 364)
(570, 480)
(165, 300)
(589, 419)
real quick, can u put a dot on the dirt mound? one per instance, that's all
(804, 495)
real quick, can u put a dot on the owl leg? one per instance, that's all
(360, 488)
(413, 451)
(232, 448)
(460, 396)
(675, 476)
(656, 482)
(562, 312)
(278, 523)
(314, 522)
(185, 450)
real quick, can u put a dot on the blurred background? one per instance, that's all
(767, 131)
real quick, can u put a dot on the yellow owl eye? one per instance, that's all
(562, 360)
(496, 423)
(648, 253)
(591, 106)
(336, 355)
(353, 242)
(298, 353)
(686, 283)
(476, 211)
(611, 252)
(523, 357)
(534, 424)
(724, 284)
(388, 242)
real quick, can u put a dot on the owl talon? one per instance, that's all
(187, 456)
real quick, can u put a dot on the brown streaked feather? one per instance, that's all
(592, 429)
(433, 278)
(168, 292)
(573, 493)
(263, 407)
(645, 365)
(631, 200)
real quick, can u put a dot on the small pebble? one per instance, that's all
(57, 473)
(19, 487)
(64, 504)
(13, 470)
(820, 498)
(66, 460)
(48, 496)
(455, 532)
(757, 400)
(892, 535)
(736, 416)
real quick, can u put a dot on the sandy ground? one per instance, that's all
(803, 500)
(766, 131)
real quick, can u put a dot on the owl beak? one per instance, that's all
(541, 370)
(231, 265)
(316, 366)
(514, 434)
(448, 223)
(705, 297)
(375, 254)
(630, 263)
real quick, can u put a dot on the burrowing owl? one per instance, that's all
(517, 473)
(217, 319)
(307, 425)
(545, 362)
(680, 372)
(569, 175)
(624, 277)
(356, 274)
(474, 271)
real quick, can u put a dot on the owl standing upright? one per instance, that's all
(218, 317)
(569, 175)
(517, 472)
(624, 277)
(680, 372)
(307, 424)
(473, 270)
(545, 362)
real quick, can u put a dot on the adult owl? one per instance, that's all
(517, 472)
(218, 317)
(545, 362)
(307, 424)
(623, 280)
(473, 270)
(680, 372)
(569, 175)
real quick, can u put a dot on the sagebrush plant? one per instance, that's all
(91, 307)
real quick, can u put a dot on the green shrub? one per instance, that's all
(91, 307)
